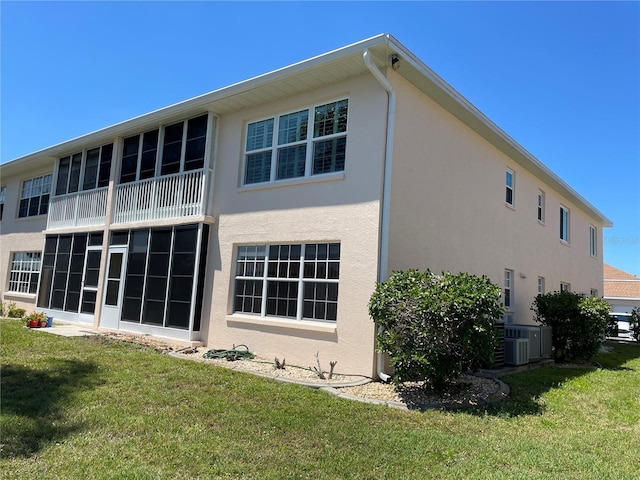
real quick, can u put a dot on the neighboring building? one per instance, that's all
(621, 289)
(264, 213)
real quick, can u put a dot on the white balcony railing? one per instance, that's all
(172, 196)
(78, 209)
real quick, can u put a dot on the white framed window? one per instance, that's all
(564, 224)
(565, 287)
(593, 241)
(3, 192)
(509, 187)
(25, 272)
(298, 281)
(284, 146)
(34, 196)
(508, 289)
(86, 170)
(540, 206)
(594, 292)
(540, 285)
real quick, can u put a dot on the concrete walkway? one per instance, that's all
(68, 330)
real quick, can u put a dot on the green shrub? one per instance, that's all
(435, 327)
(634, 324)
(13, 312)
(578, 323)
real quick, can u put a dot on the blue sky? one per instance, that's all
(563, 79)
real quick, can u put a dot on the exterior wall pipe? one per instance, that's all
(386, 188)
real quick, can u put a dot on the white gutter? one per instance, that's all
(386, 188)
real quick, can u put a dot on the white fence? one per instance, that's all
(78, 209)
(172, 196)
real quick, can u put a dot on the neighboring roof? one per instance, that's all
(620, 284)
(337, 65)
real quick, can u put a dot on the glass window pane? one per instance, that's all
(63, 175)
(260, 135)
(258, 168)
(291, 162)
(329, 155)
(105, 165)
(331, 118)
(293, 127)
(91, 169)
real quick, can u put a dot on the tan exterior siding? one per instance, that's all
(448, 209)
(344, 209)
(19, 234)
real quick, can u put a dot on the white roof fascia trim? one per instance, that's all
(455, 95)
(201, 101)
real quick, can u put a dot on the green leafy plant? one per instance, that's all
(578, 323)
(435, 327)
(634, 324)
(14, 312)
(231, 355)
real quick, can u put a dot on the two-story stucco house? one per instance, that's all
(263, 213)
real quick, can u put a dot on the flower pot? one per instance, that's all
(43, 323)
(33, 324)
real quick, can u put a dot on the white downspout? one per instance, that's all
(386, 189)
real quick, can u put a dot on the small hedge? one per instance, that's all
(579, 323)
(435, 327)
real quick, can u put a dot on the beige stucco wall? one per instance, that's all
(344, 209)
(19, 234)
(448, 209)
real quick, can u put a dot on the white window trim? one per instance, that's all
(511, 187)
(594, 292)
(300, 281)
(565, 287)
(565, 225)
(42, 192)
(508, 286)
(593, 241)
(540, 207)
(541, 286)
(310, 140)
(24, 275)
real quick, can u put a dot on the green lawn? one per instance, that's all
(84, 408)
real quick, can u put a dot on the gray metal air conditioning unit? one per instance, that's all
(546, 339)
(516, 351)
(532, 333)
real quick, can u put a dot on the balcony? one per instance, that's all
(171, 196)
(78, 209)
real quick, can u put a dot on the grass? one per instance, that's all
(95, 408)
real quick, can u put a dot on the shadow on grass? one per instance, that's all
(33, 404)
(527, 387)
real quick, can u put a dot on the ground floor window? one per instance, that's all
(163, 273)
(25, 271)
(297, 280)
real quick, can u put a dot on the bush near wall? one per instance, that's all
(435, 327)
(634, 324)
(578, 323)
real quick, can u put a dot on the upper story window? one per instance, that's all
(282, 147)
(175, 148)
(564, 224)
(34, 197)
(594, 292)
(3, 192)
(593, 241)
(540, 206)
(84, 170)
(565, 287)
(509, 187)
(540, 285)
